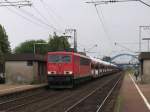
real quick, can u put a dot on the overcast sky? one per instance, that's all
(121, 22)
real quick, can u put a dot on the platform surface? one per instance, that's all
(130, 98)
(8, 89)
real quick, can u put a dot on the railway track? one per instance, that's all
(93, 99)
(88, 102)
(89, 97)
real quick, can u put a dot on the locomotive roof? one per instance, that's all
(64, 52)
(84, 56)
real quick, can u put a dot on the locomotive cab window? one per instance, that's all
(59, 58)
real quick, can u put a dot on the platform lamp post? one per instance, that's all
(34, 46)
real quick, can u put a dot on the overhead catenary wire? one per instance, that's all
(45, 19)
(42, 16)
(144, 3)
(48, 12)
(103, 25)
(30, 15)
(38, 12)
(128, 49)
(27, 19)
(38, 19)
(51, 12)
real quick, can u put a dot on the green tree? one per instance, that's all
(58, 43)
(1, 56)
(4, 43)
(28, 47)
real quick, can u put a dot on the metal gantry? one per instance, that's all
(140, 36)
(109, 1)
(147, 39)
(116, 1)
(15, 3)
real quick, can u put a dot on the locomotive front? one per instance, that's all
(60, 69)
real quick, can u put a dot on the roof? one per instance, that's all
(102, 62)
(69, 53)
(144, 56)
(25, 57)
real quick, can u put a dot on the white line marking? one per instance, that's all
(141, 94)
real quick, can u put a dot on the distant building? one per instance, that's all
(25, 69)
(144, 59)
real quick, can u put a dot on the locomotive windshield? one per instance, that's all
(59, 58)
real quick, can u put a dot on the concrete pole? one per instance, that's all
(140, 39)
(34, 48)
(148, 45)
(75, 40)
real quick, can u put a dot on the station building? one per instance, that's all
(25, 69)
(144, 59)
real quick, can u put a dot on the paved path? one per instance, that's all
(131, 100)
(7, 89)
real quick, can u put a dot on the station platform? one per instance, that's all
(10, 89)
(133, 96)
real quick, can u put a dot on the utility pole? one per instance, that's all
(75, 37)
(140, 39)
(16, 3)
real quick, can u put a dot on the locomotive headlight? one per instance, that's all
(48, 72)
(67, 72)
(51, 72)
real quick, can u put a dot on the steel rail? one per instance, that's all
(67, 97)
(108, 95)
(84, 98)
(17, 99)
(57, 102)
(27, 103)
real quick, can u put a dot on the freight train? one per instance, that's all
(67, 69)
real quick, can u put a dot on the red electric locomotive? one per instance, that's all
(66, 69)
